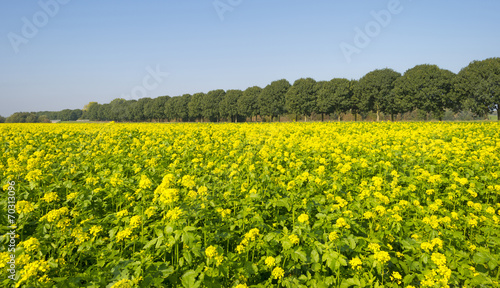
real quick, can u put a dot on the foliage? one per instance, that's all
(478, 85)
(334, 96)
(427, 88)
(301, 97)
(272, 98)
(262, 205)
(374, 92)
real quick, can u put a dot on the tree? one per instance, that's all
(93, 111)
(43, 119)
(194, 106)
(374, 89)
(65, 115)
(105, 112)
(117, 107)
(181, 107)
(137, 109)
(424, 87)
(478, 86)
(228, 107)
(272, 98)
(248, 103)
(177, 108)
(334, 96)
(2, 119)
(155, 109)
(301, 97)
(210, 104)
(75, 114)
(22, 117)
(85, 110)
(355, 101)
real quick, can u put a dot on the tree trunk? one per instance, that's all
(392, 117)
(338, 117)
(296, 117)
(305, 118)
(355, 117)
(322, 117)
(378, 116)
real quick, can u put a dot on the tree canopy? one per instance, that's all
(426, 88)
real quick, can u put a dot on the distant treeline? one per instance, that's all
(428, 89)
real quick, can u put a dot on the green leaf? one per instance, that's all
(301, 255)
(188, 280)
(150, 243)
(315, 256)
(481, 258)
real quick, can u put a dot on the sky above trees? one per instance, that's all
(58, 54)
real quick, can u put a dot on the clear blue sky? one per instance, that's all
(100, 50)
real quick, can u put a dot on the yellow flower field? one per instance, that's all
(253, 205)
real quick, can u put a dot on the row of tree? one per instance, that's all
(426, 88)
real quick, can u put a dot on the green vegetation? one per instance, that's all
(428, 90)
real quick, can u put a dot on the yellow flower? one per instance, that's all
(31, 244)
(241, 286)
(472, 222)
(188, 181)
(355, 263)
(278, 273)
(333, 236)
(94, 230)
(124, 283)
(71, 196)
(396, 276)
(4, 258)
(80, 235)
(368, 215)
(202, 190)
(223, 212)
(32, 271)
(124, 234)
(380, 210)
(211, 251)
(426, 246)
(270, 261)
(55, 215)
(50, 197)
(145, 183)
(26, 207)
(122, 213)
(342, 223)
(218, 260)
(303, 218)
(135, 221)
(374, 247)
(240, 248)
(150, 211)
(382, 256)
(174, 214)
(438, 258)
(294, 239)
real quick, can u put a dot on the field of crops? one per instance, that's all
(252, 205)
